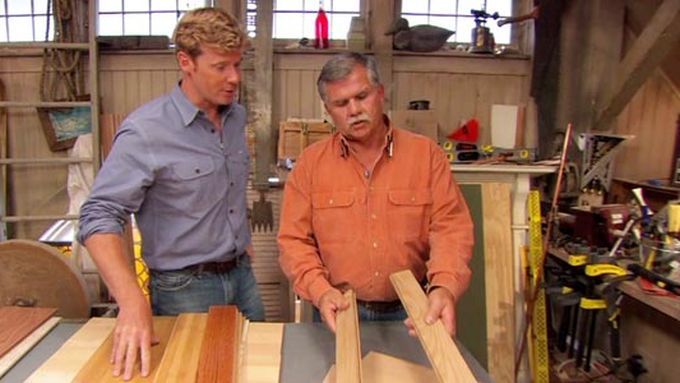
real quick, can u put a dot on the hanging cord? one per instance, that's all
(60, 66)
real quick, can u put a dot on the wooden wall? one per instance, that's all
(651, 117)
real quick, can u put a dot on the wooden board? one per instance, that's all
(348, 343)
(498, 266)
(16, 323)
(99, 369)
(180, 360)
(448, 363)
(64, 364)
(382, 368)
(218, 361)
(18, 351)
(263, 353)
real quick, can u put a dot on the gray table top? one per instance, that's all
(309, 349)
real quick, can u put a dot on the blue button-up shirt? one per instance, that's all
(184, 181)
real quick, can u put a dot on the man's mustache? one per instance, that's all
(360, 118)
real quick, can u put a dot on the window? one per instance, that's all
(456, 15)
(25, 20)
(143, 17)
(295, 19)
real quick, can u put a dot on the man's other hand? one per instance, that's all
(441, 305)
(330, 303)
(132, 339)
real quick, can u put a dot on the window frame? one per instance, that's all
(33, 15)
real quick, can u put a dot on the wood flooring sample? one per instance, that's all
(99, 369)
(180, 360)
(348, 343)
(218, 361)
(16, 323)
(444, 356)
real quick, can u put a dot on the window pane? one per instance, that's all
(346, 5)
(20, 28)
(442, 7)
(464, 31)
(339, 26)
(162, 5)
(414, 6)
(40, 25)
(2, 7)
(503, 7)
(110, 6)
(163, 23)
(287, 5)
(191, 4)
(501, 35)
(18, 7)
(464, 6)
(416, 20)
(446, 23)
(3, 29)
(40, 7)
(289, 26)
(110, 25)
(136, 5)
(309, 25)
(136, 24)
(313, 5)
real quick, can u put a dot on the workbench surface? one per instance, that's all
(304, 344)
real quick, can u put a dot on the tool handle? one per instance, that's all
(659, 280)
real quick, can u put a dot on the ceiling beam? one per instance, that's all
(647, 52)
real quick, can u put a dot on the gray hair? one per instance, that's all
(340, 66)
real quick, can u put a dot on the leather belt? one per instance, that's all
(381, 307)
(214, 267)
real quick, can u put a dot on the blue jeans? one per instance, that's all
(180, 291)
(366, 314)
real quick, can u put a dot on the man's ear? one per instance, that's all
(186, 62)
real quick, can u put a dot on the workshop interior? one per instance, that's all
(559, 119)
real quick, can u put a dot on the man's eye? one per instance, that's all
(340, 103)
(362, 95)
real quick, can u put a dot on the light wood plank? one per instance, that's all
(18, 351)
(347, 342)
(180, 360)
(382, 368)
(99, 369)
(444, 356)
(64, 364)
(498, 266)
(16, 323)
(263, 352)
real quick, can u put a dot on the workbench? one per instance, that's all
(304, 344)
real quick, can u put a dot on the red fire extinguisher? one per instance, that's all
(321, 32)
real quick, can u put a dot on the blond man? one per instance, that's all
(179, 164)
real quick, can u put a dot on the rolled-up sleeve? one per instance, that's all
(120, 186)
(299, 257)
(451, 231)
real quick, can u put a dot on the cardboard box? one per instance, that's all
(418, 121)
(297, 134)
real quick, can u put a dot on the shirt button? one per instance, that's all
(413, 199)
(377, 273)
(231, 184)
(375, 245)
(231, 211)
(374, 216)
(236, 237)
(330, 201)
(197, 170)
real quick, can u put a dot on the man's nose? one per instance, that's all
(354, 107)
(233, 75)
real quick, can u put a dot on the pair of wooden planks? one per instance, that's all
(188, 343)
(20, 329)
(442, 352)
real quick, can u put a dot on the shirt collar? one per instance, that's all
(345, 148)
(188, 111)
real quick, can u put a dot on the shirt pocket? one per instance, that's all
(195, 183)
(238, 166)
(408, 212)
(333, 216)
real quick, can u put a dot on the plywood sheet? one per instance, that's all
(64, 364)
(382, 368)
(99, 369)
(16, 323)
(180, 360)
(443, 354)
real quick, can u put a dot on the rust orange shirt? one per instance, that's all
(341, 226)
